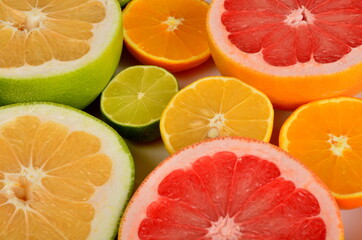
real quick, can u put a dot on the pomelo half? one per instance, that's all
(294, 51)
(61, 51)
(63, 174)
(231, 189)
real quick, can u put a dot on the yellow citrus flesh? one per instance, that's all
(327, 136)
(170, 34)
(215, 107)
(35, 32)
(48, 174)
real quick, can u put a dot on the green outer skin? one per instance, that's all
(77, 88)
(124, 2)
(146, 133)
(120, 140)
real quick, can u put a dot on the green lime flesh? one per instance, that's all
(134, 100)
(76, 88)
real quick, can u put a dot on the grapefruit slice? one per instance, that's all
(229, 189)
(294, 51)
(326, 135)
(169, 34)
(63, 174)
(58, 50)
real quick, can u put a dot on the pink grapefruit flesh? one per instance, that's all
(230, 189)
(291, 31)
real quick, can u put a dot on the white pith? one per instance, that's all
(296, 18)
(109, 199)
(224, 229)
(291, 170)
(256, 62)
(216, 124)
(173, 23)
(338, 144)
(103, 34)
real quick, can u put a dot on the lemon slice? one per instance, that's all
(58, 50)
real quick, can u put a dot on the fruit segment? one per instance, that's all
(287, 32)
(232, 196)
(35, 32)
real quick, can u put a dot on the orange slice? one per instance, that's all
(215, 107)
(327, 136)
(58, 50)
(169, 34)
(63, 174)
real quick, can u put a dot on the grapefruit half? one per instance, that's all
(63, 174)
(61, 51)
(294, 51)
(231, 188)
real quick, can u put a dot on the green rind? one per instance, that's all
(124, 2)
(77, 88)
(146, 133)
(120, 140)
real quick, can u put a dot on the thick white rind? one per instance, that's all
(103, 34)
(255, 61)
(109, 199)
(291, 170)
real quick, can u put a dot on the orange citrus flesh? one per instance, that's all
(170, 34)
(327, 136)
(46, 168)
(35, 32)
(215, 107)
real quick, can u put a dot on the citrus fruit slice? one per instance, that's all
(231, 188)
(213, 107)
(326, 135)
(61, 51)
(63, 174)
(294, 51)
(169, 34)
(134, 100)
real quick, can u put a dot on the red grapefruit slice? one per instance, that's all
(231, 189)
(293, 50)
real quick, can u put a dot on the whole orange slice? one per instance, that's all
(295, 51)
(215, 107)
(169, 34)
(231, 189)
(326, 135)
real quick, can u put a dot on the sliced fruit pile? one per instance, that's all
(134, 100)
(58, 50)
(231, 188)
(326, 135)
(67, 175)
(215, 107)
(294, 51)
(169, 34)
(63, 174)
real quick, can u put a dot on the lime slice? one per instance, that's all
(135, 99)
